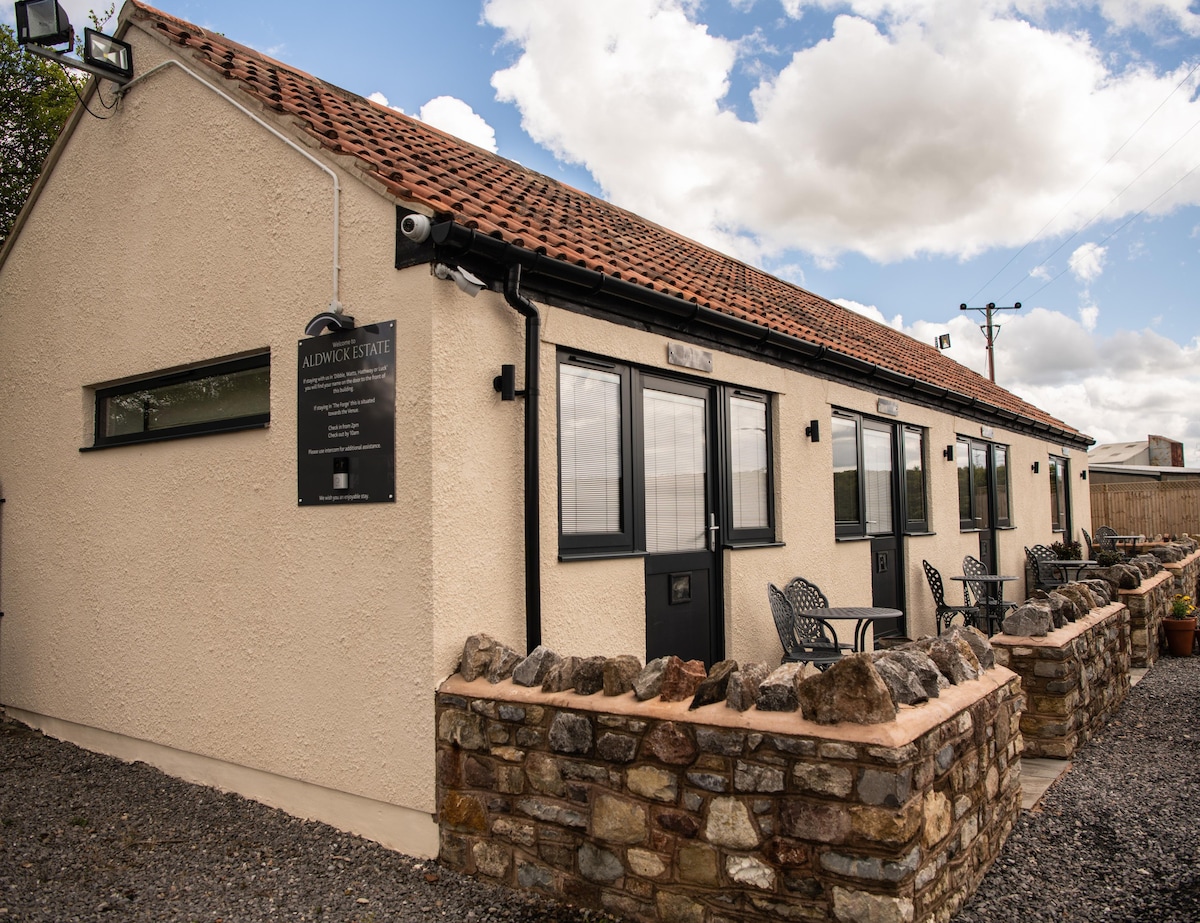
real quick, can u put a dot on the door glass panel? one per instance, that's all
(748, 459)
(877, 462)
(589, 450)
(676, 470)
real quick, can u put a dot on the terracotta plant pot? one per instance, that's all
(1180, 635)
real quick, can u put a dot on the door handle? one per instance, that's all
(712, 530)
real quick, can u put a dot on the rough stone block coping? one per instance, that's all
(1149, 584)
(1061, 637)
(911, 722)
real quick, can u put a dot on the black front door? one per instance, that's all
(683, 612)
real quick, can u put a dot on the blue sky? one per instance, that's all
(898, 156)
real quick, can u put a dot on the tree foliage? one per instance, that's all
(36, 96)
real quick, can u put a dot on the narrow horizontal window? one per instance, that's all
(228, 395)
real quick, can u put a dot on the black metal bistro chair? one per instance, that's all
(1041, 567)
(946, 613)
(1106, 538)
(992, 608)
(1089, 544)
(805, 640)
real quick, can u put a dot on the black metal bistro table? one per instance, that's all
(1131, 540)
(993, 606)
(1069, 571)
(863, 616)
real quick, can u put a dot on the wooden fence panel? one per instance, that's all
(1147, 509)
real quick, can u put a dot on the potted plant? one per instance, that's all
(1180, 626)
(1067, 551)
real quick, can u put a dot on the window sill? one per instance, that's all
(918, 534)
(738, 546)
(597, 555)
(852, 538)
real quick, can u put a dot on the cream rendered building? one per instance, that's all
(168, 599)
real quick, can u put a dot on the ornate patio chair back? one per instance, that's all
(781, 612)
(804, 595)
(804, 638)
(1087, 540)
(946, 613)
(935, 584)
(973, 567)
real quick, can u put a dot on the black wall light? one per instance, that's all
(948, 454)
(813, 430)
(1083, 475)
(43, 24)
(1036, 467)
(108, 53)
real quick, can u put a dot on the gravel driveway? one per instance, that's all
(87, 837)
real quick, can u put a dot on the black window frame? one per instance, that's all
(759, 535)
(213, 369)
(600, 543)
(630, 540)
(982, 520)
(913, 526)
(902, 524)
(1059, 476)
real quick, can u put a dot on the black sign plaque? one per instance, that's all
(346, 417)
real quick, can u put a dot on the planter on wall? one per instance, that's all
(1180, 635)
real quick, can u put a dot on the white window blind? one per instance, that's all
(877, 460)
(589, 450)
(675, 471)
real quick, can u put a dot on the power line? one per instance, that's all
(1087, 183)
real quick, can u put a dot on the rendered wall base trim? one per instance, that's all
(412, 832)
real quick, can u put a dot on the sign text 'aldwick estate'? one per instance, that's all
(346, 417)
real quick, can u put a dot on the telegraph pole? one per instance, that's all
(990, 330)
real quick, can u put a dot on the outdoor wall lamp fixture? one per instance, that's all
(1083, 475)
(42, 24)
(108, 53)
(943, 341)
(505, 383)
(333, 321)
(813, 430)
(948, 453)
(1036, 467)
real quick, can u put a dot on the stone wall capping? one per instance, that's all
(911, 722)
(1059, 636)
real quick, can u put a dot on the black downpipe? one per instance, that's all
(533, 505)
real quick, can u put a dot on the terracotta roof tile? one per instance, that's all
(420, 164)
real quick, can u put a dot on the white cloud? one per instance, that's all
(1087, 262)
(912, 127)
(459, 119)
(869, 310)
(1089, 316)
(1114, 388)
(378, 97)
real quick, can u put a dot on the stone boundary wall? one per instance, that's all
(660, 813)
(1187, 575)
(1073, 679)
(1148, 606)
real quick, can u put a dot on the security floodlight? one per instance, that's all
(108, 53)
(943, 341)
(43, 22)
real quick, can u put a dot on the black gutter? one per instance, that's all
(454, 240)
(533, 505)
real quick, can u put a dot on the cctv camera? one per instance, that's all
(416, 227)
